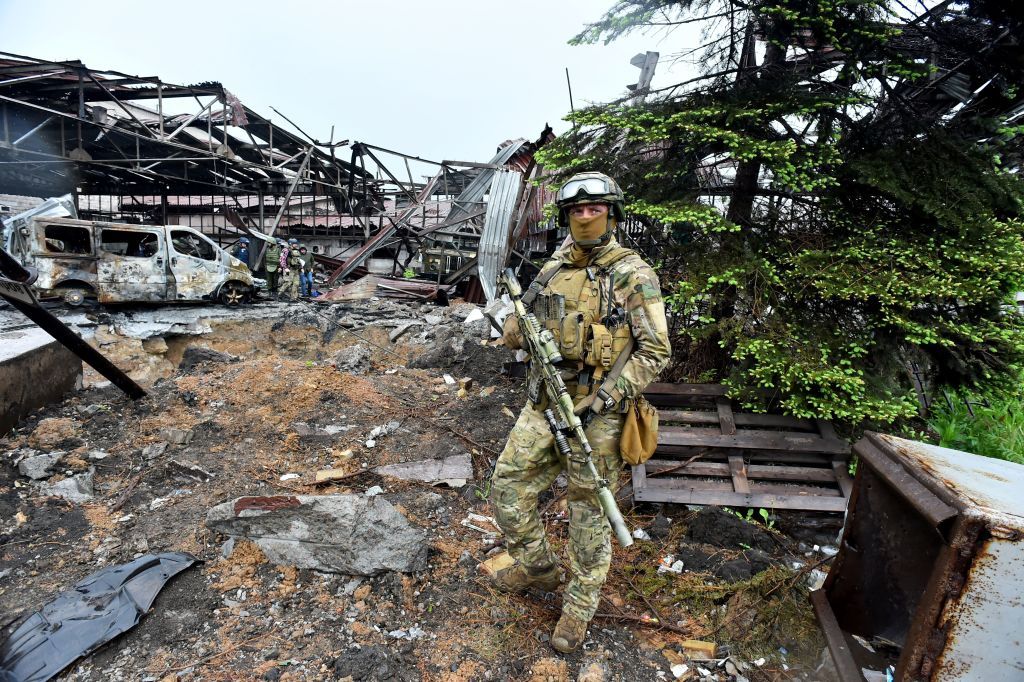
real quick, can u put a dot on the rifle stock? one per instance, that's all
(560, 415)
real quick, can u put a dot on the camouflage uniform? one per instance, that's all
(290, 281)
(590, 343)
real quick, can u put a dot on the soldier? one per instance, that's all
(290, 278)
(272, 262)
(594, 296)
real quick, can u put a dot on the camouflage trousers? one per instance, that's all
(290, 286)
(529, 464)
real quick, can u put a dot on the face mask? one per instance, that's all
(586, 231)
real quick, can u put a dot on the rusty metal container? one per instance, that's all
(931, 561)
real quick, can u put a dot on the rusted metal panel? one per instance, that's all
(932, 560)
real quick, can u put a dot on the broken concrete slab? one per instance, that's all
(355, 359)
(77, 488)
(154, 450)
(349, 534)
(38, 467)
(401, 329)
(453, 471)
(177, 436)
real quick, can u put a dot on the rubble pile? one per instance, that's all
(328, 465)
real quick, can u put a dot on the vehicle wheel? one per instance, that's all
(75, 297)
(232, 294)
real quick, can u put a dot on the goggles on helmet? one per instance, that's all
(594, 187)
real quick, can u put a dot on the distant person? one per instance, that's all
(272, 263)
(290, 279)
(241, 251)
(306, 274)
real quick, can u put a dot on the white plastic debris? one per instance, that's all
(371, 443)
(759, 662)
(289, 477)
(474, 315)
(449, 379)
(641, 534)
(669, 564)
(374, 491)
(679, 670)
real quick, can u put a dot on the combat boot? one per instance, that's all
(569, 633)
(519, 578)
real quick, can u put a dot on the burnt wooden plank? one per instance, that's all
(839, 468)
(754, 471)
(756, 487)
(741, 419)
(739, 475)
(753, 439)
(683, 453)
(659, 388)
(734, 499)
(725, 419)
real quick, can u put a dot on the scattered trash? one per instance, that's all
(480, 523)
(449, 379)
(95, 611)
(329, 475)
(679, 670)
(289, 477)
(641, 534)
(695, 648)
(374, 491)
(411, 633)
(669, 564)
(759, 662)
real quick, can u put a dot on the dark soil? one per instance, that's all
(266, 415)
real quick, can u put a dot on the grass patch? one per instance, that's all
(996, 429)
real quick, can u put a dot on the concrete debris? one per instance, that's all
(77, 488)
(354, 360)
(349, 534)
(38, 467)
(96, 455)
(452, 471)
(190, 470)
(177, 436)
(680, 670)
(198, 355)
(433, 320)
(400, 330)
(385, 429)
(154, 450)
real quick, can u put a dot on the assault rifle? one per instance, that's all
(562, 420)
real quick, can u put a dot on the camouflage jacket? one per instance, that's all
(635, 309)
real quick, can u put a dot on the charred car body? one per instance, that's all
(120, 262)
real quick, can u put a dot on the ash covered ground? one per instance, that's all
(254, 402)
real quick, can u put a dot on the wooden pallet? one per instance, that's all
(708, 453)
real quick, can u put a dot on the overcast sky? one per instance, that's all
(449, 79)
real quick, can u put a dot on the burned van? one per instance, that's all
(125, 263)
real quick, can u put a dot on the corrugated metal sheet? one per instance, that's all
(465, 205)
(494, 241)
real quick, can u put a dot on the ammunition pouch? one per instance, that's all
(639, 432)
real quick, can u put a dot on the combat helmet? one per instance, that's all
(590, 188)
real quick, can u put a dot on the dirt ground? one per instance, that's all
(258, 408)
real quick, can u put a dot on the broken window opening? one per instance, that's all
(67, 239)
(191, 244)
(130, 244)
